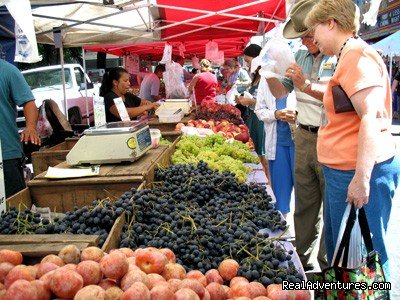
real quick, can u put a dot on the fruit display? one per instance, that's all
(216, 152)
(227, 130)
(96, 219)
(126, 274)
(206, 217)
(219, 112)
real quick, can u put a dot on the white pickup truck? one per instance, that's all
(46, 83)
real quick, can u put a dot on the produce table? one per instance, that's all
(113, 180)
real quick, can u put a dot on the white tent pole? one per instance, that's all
(63, 80)
(86, 96)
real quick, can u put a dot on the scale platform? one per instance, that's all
(111, 143)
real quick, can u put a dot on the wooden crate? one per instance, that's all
(51, 157)
(166, 127)
(112, 181)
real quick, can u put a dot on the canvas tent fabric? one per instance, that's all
(154, 22)
(390, 44)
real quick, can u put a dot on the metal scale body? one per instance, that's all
(111, 143)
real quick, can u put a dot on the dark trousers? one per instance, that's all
(13, 176)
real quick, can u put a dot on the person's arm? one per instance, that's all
(134, 111)
(193, 83)
(295, 73)
(278, 90)
(370, 112)
(29, 134)
(394, 85)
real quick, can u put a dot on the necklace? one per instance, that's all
(341, 49)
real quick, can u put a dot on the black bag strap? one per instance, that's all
(345, 242)
(344, 245)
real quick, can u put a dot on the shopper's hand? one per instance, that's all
(30, 135)
(291, 116)
(155, 105)
(295, 73)
(243, 101)
(358, 191)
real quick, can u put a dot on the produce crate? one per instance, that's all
(155, 123)
(113, 180)
(51, 157)
(40, 245)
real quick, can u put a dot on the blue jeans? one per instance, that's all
(384, 181)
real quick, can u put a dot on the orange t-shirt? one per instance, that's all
(360, 67)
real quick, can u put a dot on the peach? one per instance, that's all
(90, 292)
(194, 285)
(92, 253)
(113, 293)
(12, 257)
(240, 290)
(213, 275)
(228, 269)
(257, 289)
(5, 267)
(261, 298)
(114, 265)
(21, 290)
(154, 279)
(238, 280)
(18, 272)
(196, 274)
(186, 294)
(132, 277)
(42, 290)
(151, 261)
(216, 291)
(161, 292)
(70, 254)
(53, 259)
(105, 284)
(173, 270)
(169, 254)
(90, 272)
(137, 291)
(44, 268)
(174, 284)
(65, 283)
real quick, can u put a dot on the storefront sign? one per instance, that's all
(2, 189)
(132, 63)
(388, 20)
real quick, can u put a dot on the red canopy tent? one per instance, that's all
(192, 24)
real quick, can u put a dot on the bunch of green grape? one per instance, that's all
(216, 152)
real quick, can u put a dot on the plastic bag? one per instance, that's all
(173, 79)
(355, 255)
(195, 62)
(274, 59)
(43, 126)
(211, 51)
(219, 60)
(231, 94)
(167, 56)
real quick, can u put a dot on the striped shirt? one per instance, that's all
(318, 70)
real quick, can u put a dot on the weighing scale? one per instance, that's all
(113, 142)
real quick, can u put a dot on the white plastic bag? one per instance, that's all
(167, 56)
(43, 126)
(174, 84)
(231, 94)
(195, 62)
(274, 59)
(355, 247)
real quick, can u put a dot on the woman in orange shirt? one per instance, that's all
(355, 147)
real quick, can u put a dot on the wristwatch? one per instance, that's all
(305, 85)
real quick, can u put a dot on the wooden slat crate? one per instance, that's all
(112, 181)
(51, 157)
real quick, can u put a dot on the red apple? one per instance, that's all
(151, 261)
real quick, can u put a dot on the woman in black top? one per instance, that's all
(116, 84)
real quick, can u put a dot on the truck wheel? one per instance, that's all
(74, 115)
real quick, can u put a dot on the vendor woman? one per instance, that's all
(116, 84)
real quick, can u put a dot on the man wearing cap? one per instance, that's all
(309, 77)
